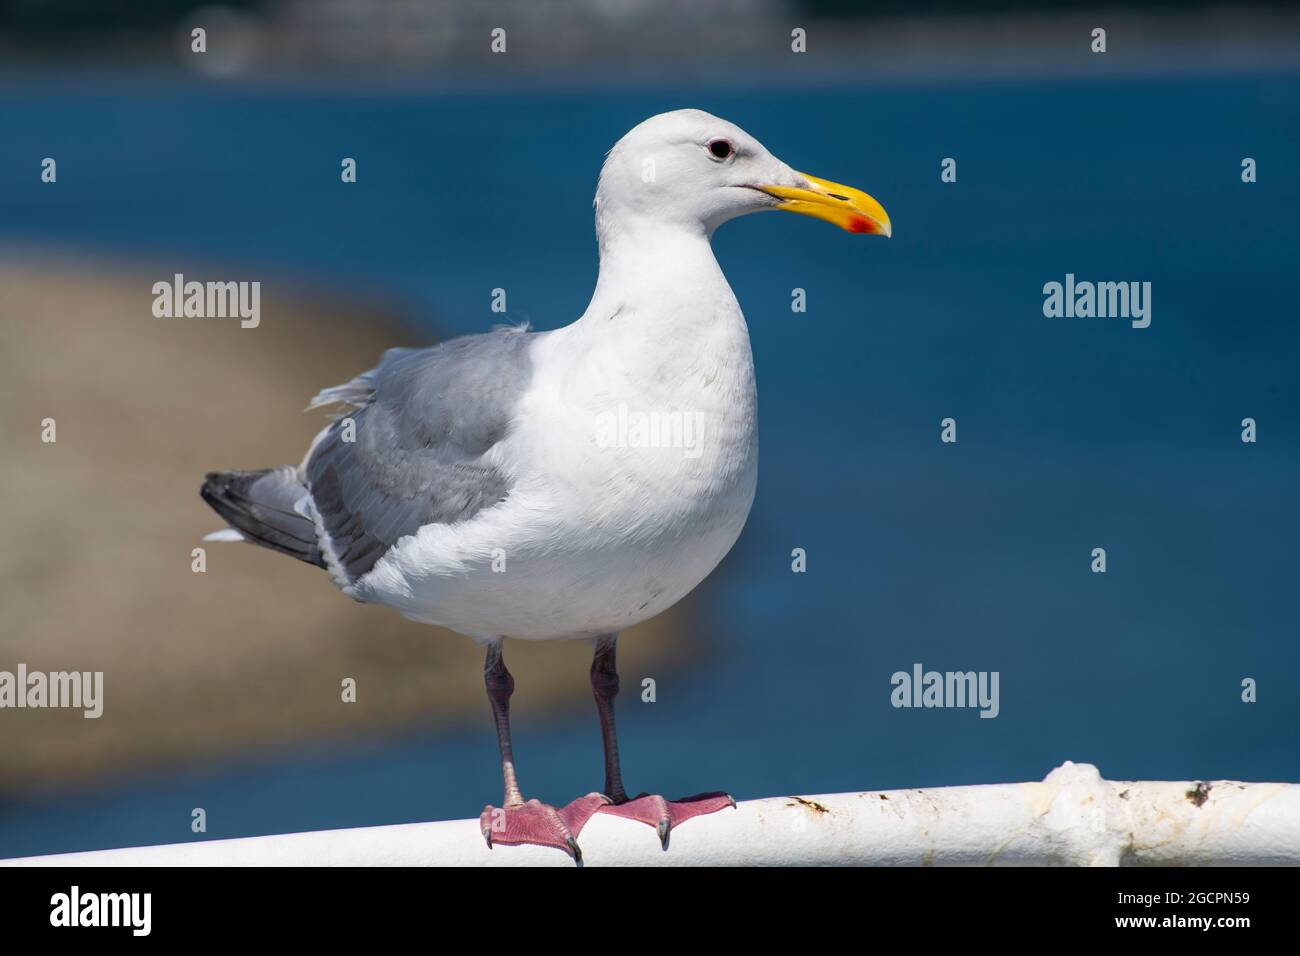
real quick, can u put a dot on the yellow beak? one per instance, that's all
(850, 209)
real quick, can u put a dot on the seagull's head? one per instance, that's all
(689, 168)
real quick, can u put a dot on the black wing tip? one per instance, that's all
(263, 523)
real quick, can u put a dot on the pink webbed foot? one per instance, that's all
(540, 824)
(664, 815)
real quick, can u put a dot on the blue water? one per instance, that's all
(1073, 434)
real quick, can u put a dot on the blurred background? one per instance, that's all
(475, 172)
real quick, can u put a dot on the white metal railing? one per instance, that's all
(1072, 818)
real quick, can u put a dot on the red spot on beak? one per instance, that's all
(861, 224)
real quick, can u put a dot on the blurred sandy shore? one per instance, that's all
(95, 567)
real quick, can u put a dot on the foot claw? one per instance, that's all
(664, 815)
(540, 824)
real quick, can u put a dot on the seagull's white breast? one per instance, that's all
(634, 455)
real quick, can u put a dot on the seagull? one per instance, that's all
(559, 485)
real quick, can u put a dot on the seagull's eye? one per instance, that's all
(721, 149)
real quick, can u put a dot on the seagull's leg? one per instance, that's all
(650, 809)
(519, 821)
(604, 685)
(500, 685)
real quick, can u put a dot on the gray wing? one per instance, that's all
(424, 420)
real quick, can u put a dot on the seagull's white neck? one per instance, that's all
(664, 269)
